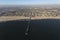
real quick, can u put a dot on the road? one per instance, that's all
(43, 29)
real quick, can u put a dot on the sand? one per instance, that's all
(9, 18)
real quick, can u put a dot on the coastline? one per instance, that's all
(10, 18)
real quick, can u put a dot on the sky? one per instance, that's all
(28, 2)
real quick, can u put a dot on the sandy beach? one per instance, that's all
(9, 18)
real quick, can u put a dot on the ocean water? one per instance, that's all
(44, 29)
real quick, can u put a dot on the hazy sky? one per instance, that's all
(29, 2)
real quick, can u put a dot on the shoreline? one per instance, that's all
(11, 18)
